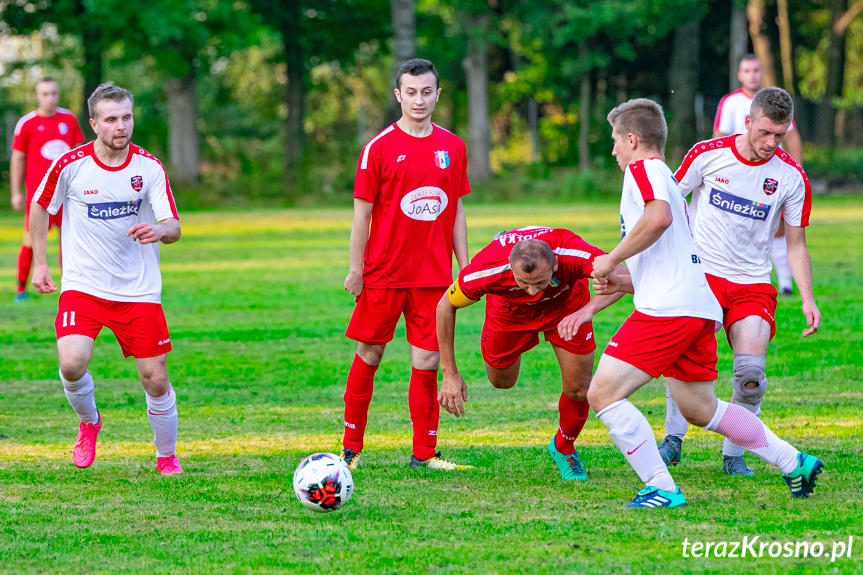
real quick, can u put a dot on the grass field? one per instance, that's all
(257, 312)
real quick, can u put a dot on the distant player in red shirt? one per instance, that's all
(535, 280)
(40, 137)
(408, 221)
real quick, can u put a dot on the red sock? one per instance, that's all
(425, 412)
(573, 415)
(25, 260)
(358, 395)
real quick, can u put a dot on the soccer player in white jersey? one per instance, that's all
(671, 331)
(118, 206)
(731, 119)
(741, 186)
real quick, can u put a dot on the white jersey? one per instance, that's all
(732, 111)
(667, 277)
(100, 204)
(736, 206)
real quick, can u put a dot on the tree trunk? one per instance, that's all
(404, 20)
(785, 45)
(760, 43)
(183, 147)
(295, 91)
(584, 93)
(91, 38)
(825, 131)
(739, 41)
(476, 73)
(683, 79)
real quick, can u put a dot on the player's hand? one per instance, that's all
(42, 279)
(569, 326)
(354, 283)
(603, 266)
(813, 318)
(452, 392)
(145, 233)
(19, 202)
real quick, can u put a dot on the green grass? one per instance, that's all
(256, 309)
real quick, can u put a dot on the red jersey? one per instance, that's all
(489, 273)
(414, 185)
(43, 139)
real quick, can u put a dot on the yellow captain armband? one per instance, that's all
(457, 297)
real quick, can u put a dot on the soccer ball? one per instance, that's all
(323, 482)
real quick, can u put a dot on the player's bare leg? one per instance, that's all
(698, 403)
(612, 384)
(749, 339)
(161, 411)
(503, 378)
(573, 410)
(425, 411)
(358, 396)
(74, 353)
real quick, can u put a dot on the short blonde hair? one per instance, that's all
(643, 118)
(107, 91)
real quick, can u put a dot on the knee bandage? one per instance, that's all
(749, 380)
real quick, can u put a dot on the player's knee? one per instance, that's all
(502, 381)
(370, 354)
(72, 366)
(750, 380)
(579, 394)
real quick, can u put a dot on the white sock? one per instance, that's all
(675, 423)
(746, 430)
(162, 413)
(728, 447)
(632, 434)
(82, 398)
(779, 253)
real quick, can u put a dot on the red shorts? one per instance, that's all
(53, 221)
(680, 347)
(140, 327)
(502, 347)
(378, 311)
(743, 300)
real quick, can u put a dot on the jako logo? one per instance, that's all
(740, 206)
(424, 204)
(91, 192)
(722, 180)
(113, 210)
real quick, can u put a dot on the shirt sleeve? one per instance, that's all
(368, 179)
(77, 134)
(688, 175)
(464, 189)
(160, 195)
(51, 192)
(723, 122)
(578, 255)
(799, 203)
(21, 139)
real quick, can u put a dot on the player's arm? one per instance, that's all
(653, 223)
(459, 236)
(17, 166)
(793, 145)
(801, 270)
(453, 389)
(359, 239)
(569, 325)
(42, 281)
(166, 231)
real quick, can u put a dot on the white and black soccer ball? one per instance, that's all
(323, 482)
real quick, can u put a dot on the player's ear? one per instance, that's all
(437, 95)
(93, 125)
(748, 122)
(398, 95)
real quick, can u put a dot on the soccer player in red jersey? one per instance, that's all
(408, 221)
(114, 193)
(671, 331)
(535, 280)
(40, 137)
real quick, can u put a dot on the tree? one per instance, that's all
(475, 65)
(683, 80)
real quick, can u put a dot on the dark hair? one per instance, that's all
(416, 67)
(748, 56)
(775, 104)
(641, 117)
(529, 253)
(107, 91)
(45, 79)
